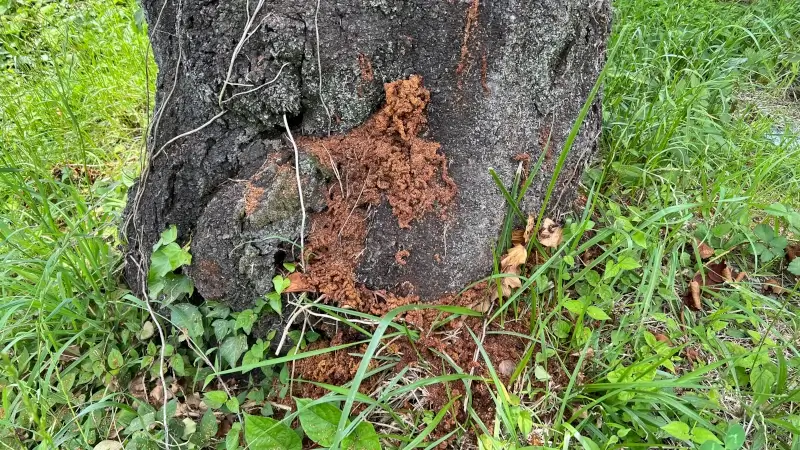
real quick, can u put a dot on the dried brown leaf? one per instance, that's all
(138, 389)
(529, 228)
(774, 286)
(694, 290)
(507, 367)
(740, 276)
(660, 337)
(298, 283)
(727, 275)
(550, 234)
(704, 250)
(516, 256)
(518, 237)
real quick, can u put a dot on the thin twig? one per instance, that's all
(188, 133)
(255, 88)
(300, 191)
(319, 68)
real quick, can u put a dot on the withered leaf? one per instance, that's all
(298, 283)
(516, 256)
(550, 234)
(774, 286)
(507, 367)
(704, 250)
(694, 290)
(529, 228)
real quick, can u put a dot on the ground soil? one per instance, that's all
(386, 159)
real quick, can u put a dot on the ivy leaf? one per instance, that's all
(319, 421)
(678, 429)
(168, 236)
(232, 348)
(280, 283)
(245, 321)
(275, 302)
(222, 328)
(263, 433)
(168, 258)
(187, 316)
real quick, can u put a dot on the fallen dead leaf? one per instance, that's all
(792, 252)
(550, 234)
(515, 257)
(663, 338)
(507, 367)
(298, 283)
(774, 286)
(138, 388)
(740, 276)
(518, 237)
(694, 289)
(70, 354)
(727, 275)
(704, 250)
(528, 233)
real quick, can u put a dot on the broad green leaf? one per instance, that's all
(628, 263)
(734, 438)
(263, 433)
(525, 422)
(208, 427)
(222, 328)
(245, 321)
(764, 232)
(574, 306)
(233, 405)
(701, 435)
(275, 302)
(318, 421)
(678, 430)
(215, 399)
(363, 437)
(115, 360)
(232, 348)
(168, 236)
(597, 313)
(540, 373)
(280, 283)
(166, 259)
(794, 266)
(232, 439)
(185, 315)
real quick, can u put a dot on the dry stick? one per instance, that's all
(319, 68)
(188, 133)
(256, 88)
(300, 191)
(238, 48)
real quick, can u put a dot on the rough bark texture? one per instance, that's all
(504, 76)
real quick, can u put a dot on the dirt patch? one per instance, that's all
(384, 158)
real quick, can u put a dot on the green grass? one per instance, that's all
(700, 143)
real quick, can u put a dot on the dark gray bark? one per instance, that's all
(503, 76)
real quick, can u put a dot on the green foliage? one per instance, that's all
(263, 433)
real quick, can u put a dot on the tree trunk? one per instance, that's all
(505, 78)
